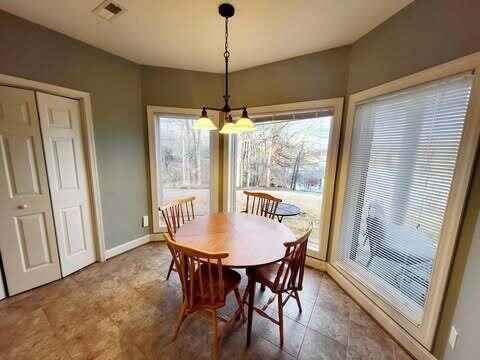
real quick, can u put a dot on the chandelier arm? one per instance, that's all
(212, 108)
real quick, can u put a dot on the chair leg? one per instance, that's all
(214, 335)
(170, 269)
(181, 317)
(245, 295)
(280, 317)
(297, 297)
(240, 304)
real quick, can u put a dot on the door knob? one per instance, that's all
(23, 206)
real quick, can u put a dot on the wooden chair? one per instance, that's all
(262, 204)
(284, 278)
(175, 214)
(205, 285)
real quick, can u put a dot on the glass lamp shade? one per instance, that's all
(244, 124)
(204, 123)
(229, 128)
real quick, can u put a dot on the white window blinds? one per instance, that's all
(403, 155)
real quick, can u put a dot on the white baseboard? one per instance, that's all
(120, 249)
(316, 263)
(395, 330)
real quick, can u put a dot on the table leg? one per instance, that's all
(251, 300)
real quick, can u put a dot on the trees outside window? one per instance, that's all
(286, 158)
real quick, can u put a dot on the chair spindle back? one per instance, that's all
(177, 213)
(291, 270)
(262, 204)
(201, 275)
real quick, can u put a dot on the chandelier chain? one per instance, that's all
(226, 54)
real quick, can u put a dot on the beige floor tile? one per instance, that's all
(292, 311)
(95, 340)
(319, 347)
(330, 320)
(43, 346)
(27, 326)
(293, 333)
(31, 337)
(369, 342)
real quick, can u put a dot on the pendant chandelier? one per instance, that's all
(243, 124)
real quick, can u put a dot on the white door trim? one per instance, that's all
(88, 134)
(3, 294)
(152, 150)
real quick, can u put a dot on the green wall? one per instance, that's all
(423, 34)
(320, 75)
(468, 346)
(181, 88)
(31, 51)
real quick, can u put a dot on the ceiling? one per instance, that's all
(189, 34)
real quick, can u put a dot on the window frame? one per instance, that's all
(425, 331)
(336, 104)
(152, 112)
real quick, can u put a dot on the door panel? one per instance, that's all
(33, 240)
(28, 244)
(65, 164)
(20, 164)
(60, 120)
(72, 221)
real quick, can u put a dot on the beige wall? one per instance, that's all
(30, 51)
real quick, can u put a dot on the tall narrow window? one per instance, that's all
(402, 160)
(184, 164)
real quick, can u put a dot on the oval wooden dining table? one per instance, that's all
(250, 240)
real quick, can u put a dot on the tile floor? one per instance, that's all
(125, 309)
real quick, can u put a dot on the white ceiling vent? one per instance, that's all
(108, 10)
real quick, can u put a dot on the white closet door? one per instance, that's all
(27, 235)
(60, 120)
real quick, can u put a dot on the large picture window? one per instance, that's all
(292, 156)
(398, 182)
